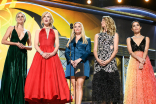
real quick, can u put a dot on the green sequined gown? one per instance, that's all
(14, 73)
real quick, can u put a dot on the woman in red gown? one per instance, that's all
(46, 81)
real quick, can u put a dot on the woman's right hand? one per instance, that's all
(72, 62)
(141, 60)
(100, 62)
(20, 45)
(141, 66)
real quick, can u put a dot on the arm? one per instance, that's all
(116, 42)
(67, 54)
(141, 65)
(56, 43)
(131, 52)
(146, 48)
(87, 51)
(7, 35)
(29, 42)
(36, 42)
(95, 49)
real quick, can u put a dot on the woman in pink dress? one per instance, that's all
(140, 81)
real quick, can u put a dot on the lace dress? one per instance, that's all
(106, 82)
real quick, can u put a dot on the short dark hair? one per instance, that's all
(135, 21)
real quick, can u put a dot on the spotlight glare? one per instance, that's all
(119, 1)
(88, 1)
(147, 0)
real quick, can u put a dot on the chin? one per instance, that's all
(20, 22)
(46, 23)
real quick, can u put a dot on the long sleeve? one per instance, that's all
(87, 51)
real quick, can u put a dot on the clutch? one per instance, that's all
(79, 70)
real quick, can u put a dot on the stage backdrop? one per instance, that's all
(62, 20)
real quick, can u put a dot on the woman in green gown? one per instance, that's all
(15, 67)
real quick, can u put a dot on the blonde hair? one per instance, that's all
(22, 14)
(82, 34)
(110, 25)
(52, 19)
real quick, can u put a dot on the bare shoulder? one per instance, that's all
(116, 34)
(37, 31)
(10, 28)
(147, 38)
(28, 32)
(128, 39)
(55, 31)
(97, 35)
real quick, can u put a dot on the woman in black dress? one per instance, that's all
(106, 83)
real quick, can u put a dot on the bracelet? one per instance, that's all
(41, 53)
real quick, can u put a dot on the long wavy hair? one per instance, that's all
(82, 34)
(52, 19)
(110, 25)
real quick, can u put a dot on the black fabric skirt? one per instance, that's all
(106, 87)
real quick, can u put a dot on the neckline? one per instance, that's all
(140, 42)
(18, 36)
(46, 33)
(78, 40)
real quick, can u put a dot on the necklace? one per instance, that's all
(138, 36)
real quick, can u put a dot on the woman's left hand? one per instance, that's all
(105, 62)
(76, 62)
(50, 55)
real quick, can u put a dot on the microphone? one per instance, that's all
(71, 26)
(74, 44)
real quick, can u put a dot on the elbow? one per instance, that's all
(2, 42)
(36, 46)
(89, 52)
(66, 54)
(95, 50)
(130, 53)
(146, 50)
(116, 51)
(57, 46)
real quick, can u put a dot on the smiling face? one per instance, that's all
(20, 18)
(46, 19)
(77, 28)
(136, 27)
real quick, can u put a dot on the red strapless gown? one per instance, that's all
(46, 81)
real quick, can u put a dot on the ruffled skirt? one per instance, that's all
(105, 87)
